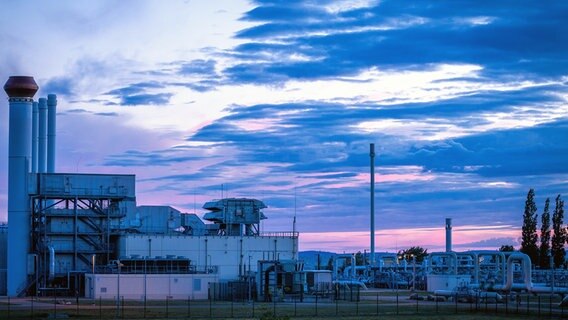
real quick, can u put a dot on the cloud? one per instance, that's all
(528, 42)
(495, 243)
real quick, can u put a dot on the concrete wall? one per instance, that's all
(153, 286)
(231, 255)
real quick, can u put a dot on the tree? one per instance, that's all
(544, 250)
(529, 236)
(359, 259)
(559, 236)
(507, 248)
(418, 252)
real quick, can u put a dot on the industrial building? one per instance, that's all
(83, 234)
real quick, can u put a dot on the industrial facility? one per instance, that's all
(83, 234)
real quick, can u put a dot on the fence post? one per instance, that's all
(477, 301)
(336, 305)
(528, 307)
(32, 307)
(397, 303)
(188, 307)
(417, 303)
(167, 307)
(122, 305)
(456, 301)
(316, 305)
(274, 303)
(538, 300)
(100, 307)
(144, 306)
(377, 303)
(507, 304)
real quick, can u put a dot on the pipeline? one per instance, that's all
(51, 262)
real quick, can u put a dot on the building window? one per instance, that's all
(196, 284)
(103, 290)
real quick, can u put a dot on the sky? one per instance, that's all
(465, 101)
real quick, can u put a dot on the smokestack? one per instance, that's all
(20, 91)
(372, 155)
(35, 114)
(51, 126)
(448, 234)
(42, 134)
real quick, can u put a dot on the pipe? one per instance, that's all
(448, 234)
(452, 263)
(345, 256)
(51, 262)
(20, 91)
(527, 270)
(42, 136)
(51, 128)
(351, 282)
(501, 264)
(35, 114)
(372, 155)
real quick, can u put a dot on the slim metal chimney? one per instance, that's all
(35, 114)
(372, 154)
(51, 128)
(448, 234)
(42, 135)
(20, 91)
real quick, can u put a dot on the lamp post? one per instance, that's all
(413, 272)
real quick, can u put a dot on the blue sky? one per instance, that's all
(466, 102)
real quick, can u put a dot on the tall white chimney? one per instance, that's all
(42, 136)
(51, 128)
(448, 234)
(20, 90)
(35, 138)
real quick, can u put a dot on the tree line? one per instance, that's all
(551, 244)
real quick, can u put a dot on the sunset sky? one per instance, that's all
(466, 102)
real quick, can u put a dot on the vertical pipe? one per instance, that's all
(42, 136)
(372, 154)
(51, 126)
(35, 113)
(20, 91)
(448, 234)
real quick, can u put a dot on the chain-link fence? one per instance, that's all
(343, 303)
